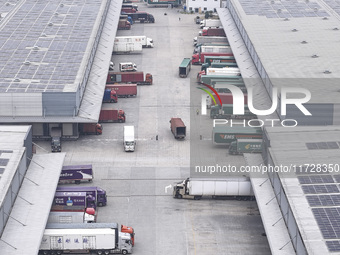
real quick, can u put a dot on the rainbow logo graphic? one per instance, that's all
(204, 101)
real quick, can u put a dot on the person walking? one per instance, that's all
(179, 18)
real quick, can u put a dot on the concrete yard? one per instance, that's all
(136, 182)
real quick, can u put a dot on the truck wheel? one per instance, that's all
(124, 252)
(179, 196)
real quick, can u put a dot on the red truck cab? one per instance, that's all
(130, 230)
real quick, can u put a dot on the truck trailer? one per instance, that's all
(209, 39)
(212, 79)
(185, 68)
(90, 129)
(96, 194)
(111, 115)
(178, 128)
(129, 77)
(142, 17)
(56, 139)
(210, 23)
(224, 135)
(123, 90)
(76, 173)
(241, 146)
(70, 199)
(127, 48)
(110, 96)
(213, 32)
(89, 216)
(198, 58)
(128, 9)
(124, 24)
(145, 41)
(196, 188)
(98, 238)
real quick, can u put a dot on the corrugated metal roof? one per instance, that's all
(28, 218)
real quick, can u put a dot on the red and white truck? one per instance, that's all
(213, 32)
(123, 90)
(129, 77)
(111, 115)
(198, 58)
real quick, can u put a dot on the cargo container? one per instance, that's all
(213, 32)
(226, 71)
(198, 58)
(210, 23)
(98, 238)
(142, 17)
(111, 115)
(130, 5)
(145, 41)
(185, 68)
(110, 96)
(124, 24)
(219, 59)
(224, 134)
(129, 77)
(128, 9)
(241, 146)
(129, 141)
(89, 216)
(72, 199)
(127, 48)
(76, 173)
(226, 112)
(98, 195)
(90, 129)
(209, 39)
(178, 128)
(123, 90)
(198, 47)
(217, 64)
(195, 188)
(56, 139)
(127, 67)
(212, 79)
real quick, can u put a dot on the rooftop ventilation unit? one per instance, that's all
(327, 72)
(27, 62)
(35, 47)
(294, 30)
(304, 42)
(17, 80)
(315, 56)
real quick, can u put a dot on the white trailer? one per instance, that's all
(209, 39)
(195, 188)
(127, 48)
(71, 217)
(127, 67)
(99, 240)
(233, 71)
(129, 138)
(145, 41)
(210, 23)
(216, 49)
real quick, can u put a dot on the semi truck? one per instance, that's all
(76, 173)
(128, 9)
(130, 5)
(226, 112)
(127, 48)
(219, 59)
(110, 96)
(56, 139)
(241, 146)
(213, 32)
(129, 141)
(209, 39)
(142, 17)
(111, 115)
(212, 79)
(198, 47)
(210, 23)
(224, 135)
(124, 24)
(198, 58)
(129, 77)
(196, 188)
(218, 64)
(89, 216)
(127, 67)
(98, 238)
(226, 71)
(73, 200)
(98, 194)
(90, 129)
(178, 128)
(145, 41)
(123, 90)
(185, 68)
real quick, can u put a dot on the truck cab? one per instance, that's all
(124, 243)
(56, 139)
(129, 138)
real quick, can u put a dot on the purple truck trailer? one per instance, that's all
(95, 195)
(76, 173)
(72, 201)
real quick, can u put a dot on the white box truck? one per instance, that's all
(72, 216)
(127, 48)
(195, 188)
(98, 238)
(129, 138)
(127, 67)
(210, 23)
(145, 41)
